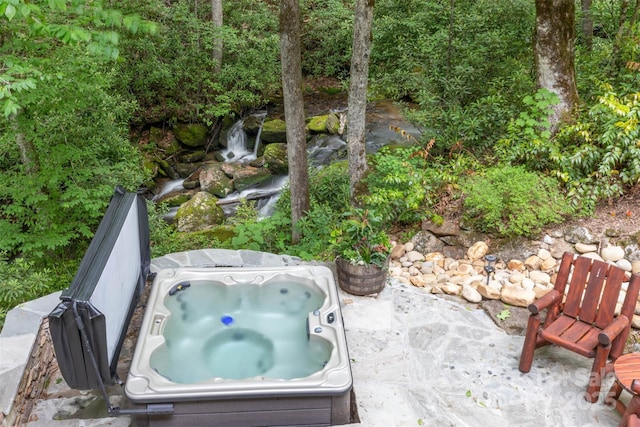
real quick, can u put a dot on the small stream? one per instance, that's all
(322, 150)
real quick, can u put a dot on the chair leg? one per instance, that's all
(529, 346)
(632, 410)
(614, 395)
(598, 371)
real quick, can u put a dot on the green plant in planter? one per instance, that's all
(360, 240)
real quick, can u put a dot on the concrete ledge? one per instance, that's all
(17, 339)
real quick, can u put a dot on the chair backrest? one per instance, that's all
(594, 289)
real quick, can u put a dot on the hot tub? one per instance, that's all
(243, 346)
(218, 346)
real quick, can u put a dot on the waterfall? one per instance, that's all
(169, 187)
(322, 150)
(255, 148)
(237, 141)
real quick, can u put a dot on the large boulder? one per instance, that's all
(191, 134)
(275, 157)
(199, 213)
(249, 176)
(274, 131)
(329, 123)
(214, 181)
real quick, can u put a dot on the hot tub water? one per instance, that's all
(240, 331)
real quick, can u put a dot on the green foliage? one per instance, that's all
(62, 156)
(529, 136)
(599, 156)
(511, 201)
(360, 238)
(315, 227)
(463, 63)
(595, 158)
(32, 29)
(268, 235)
(22, 281)
(399, 184)
(330, 186)
(173, 74)
(326, 37)
(329, 198)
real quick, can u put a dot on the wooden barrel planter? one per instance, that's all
(361, 279)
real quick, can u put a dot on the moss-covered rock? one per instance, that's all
(275, 157)
(328, 123)
(199, 213)
(151, 172)
(191, 157)
(249, 177)
(212, 237)
(173, 147)
(164, 168)
(317, 124)
(252, 124)
(176, 199)
(274, 131)
(333, 124)
(214, 181)
(187, 169)
(191, 134)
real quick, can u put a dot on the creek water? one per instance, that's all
(383, 122)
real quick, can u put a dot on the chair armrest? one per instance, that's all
(610, 333)
(545, 301)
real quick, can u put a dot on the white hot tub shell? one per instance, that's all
(320, 398)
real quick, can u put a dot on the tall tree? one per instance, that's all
(555, 54)
(217, 19)
(587, 23)
(357, 103)
(294, 111)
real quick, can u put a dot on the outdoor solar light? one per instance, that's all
(490, 266)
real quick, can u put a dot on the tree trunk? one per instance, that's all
(621, 34)
(294, 111)
(357, 103)
(587, 24)
(634, 16)
(554, 55)
(28, 154)
(216, 18)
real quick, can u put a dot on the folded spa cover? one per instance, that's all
(89, 325)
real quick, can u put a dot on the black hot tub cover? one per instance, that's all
(89, 325)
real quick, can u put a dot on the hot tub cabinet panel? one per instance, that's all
(308, 411)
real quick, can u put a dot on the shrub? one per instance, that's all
(268, 235)
(398, 183)
(595, 158)
(529, 139)
(165, 239)
(20, 281)
(601, 156)
(511, 201)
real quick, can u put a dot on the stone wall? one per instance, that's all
(35, 379)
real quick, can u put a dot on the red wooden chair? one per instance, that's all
(584, 322)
